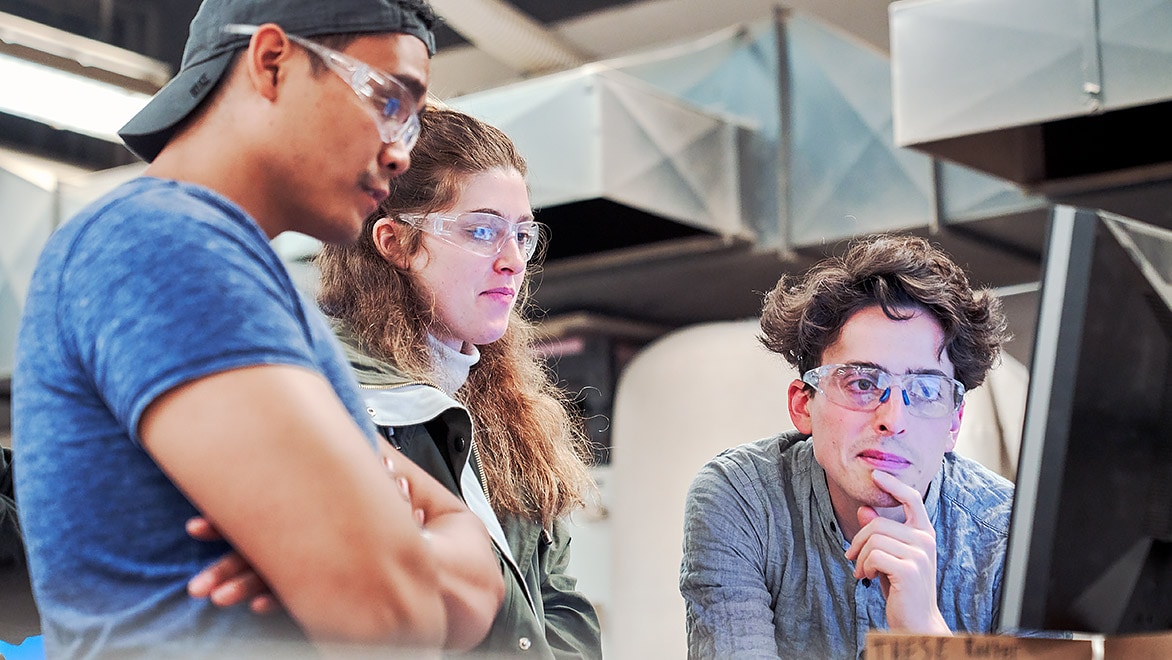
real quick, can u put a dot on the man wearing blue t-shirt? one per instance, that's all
(796, 546)
(167, 367)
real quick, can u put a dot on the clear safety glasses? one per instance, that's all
(865, 388)
(391, 103)
(484, 234)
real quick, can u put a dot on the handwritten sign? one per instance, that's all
(896, 646)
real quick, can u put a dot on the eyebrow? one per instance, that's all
(414, 85)
(925, 372)
(528, 217)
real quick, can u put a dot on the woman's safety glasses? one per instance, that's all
(480, 233)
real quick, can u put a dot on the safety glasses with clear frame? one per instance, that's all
(389, 100)
(480, 233)
(865, 388)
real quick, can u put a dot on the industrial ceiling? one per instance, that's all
(475, 51)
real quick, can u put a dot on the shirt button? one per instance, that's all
(460, 443)
(524, 643)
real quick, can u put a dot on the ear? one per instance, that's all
(954, 430)
(386, 242)
(267, 54)
(799, 406)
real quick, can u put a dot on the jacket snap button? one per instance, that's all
(460, 443)
(524, 643)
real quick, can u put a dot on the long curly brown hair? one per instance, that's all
(533, 449)
(901, 274)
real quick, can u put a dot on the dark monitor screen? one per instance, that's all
(1090, 545)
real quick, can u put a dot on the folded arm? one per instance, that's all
(470, 581)
(268, 452)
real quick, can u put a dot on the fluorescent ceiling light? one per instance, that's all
(66, 101)
(71, 82)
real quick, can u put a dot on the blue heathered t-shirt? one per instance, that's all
(156, 284)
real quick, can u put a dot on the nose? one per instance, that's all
(394, 157)
(510, 259)
(891, 415)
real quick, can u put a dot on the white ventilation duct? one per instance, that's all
(1054, 95)
(597, 133)
(509, 35)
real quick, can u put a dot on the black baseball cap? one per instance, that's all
(209, 49)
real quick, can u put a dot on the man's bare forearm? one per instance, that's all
(292, 484)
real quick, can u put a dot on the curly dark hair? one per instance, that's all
(902, 274)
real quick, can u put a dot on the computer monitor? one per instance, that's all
(1090, 544)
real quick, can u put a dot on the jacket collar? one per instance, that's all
(392, 397)
(370, 371)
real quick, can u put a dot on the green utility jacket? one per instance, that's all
(542, 615)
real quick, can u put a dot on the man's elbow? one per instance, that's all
(401, 608)
(472, 608)
(420, 624)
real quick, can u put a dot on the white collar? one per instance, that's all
(450, 367)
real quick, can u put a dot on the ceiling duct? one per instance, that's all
(680, 183)
(509, 35)
(711, 166)
(1062, 97)
(616, 163)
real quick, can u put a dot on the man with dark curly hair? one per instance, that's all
(799, 544)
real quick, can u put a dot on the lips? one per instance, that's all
(503, 293)
(378, 194)
(881, 460)
(373, 197)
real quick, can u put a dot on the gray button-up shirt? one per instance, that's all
(763, 573)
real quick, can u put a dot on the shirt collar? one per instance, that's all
(451, 367)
